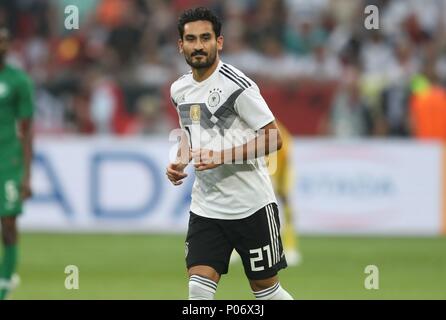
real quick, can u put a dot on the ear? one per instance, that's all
(180, 45)
(220, 41)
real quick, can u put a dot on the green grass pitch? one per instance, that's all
(152, 267)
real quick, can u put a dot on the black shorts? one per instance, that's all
(256, 238)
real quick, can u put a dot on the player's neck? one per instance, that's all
(202, 74)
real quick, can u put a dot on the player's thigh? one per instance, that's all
(259, 244)
(9, 229)
(207, 245)
(10, 199)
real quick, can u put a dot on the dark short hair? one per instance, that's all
(198, 14)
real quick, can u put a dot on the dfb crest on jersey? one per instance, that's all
(214, 97)
(195, 112)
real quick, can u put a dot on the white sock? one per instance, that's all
(201, 288)
(5, 284)
(276, 292)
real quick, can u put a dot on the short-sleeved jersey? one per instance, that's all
(15, 103)
(223, 111)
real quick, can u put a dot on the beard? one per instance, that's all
(207, 60)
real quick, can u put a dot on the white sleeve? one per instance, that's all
(172, 95)
(175, 104)
(252, 108)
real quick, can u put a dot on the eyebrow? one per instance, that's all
(201, 35)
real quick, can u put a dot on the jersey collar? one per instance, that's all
(210, 78)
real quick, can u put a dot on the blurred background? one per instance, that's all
(320, 70)
(366, 110)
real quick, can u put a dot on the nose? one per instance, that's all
(198, 45)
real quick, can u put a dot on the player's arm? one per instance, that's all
(24, 122)
(253, 110)
(175, 171)
(267, 140)
(26, 135)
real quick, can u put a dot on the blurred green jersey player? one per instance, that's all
(16, 110)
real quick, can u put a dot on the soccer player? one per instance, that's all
(227, 130)
(16, 109)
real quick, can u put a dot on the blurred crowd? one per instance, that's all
(112, 75)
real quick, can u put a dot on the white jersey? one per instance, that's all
(223, 111)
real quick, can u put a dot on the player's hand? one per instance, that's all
(206, 159)
(25, 191)
(175, 173)
(184, 156)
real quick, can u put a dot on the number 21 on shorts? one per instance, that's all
(259, 257)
